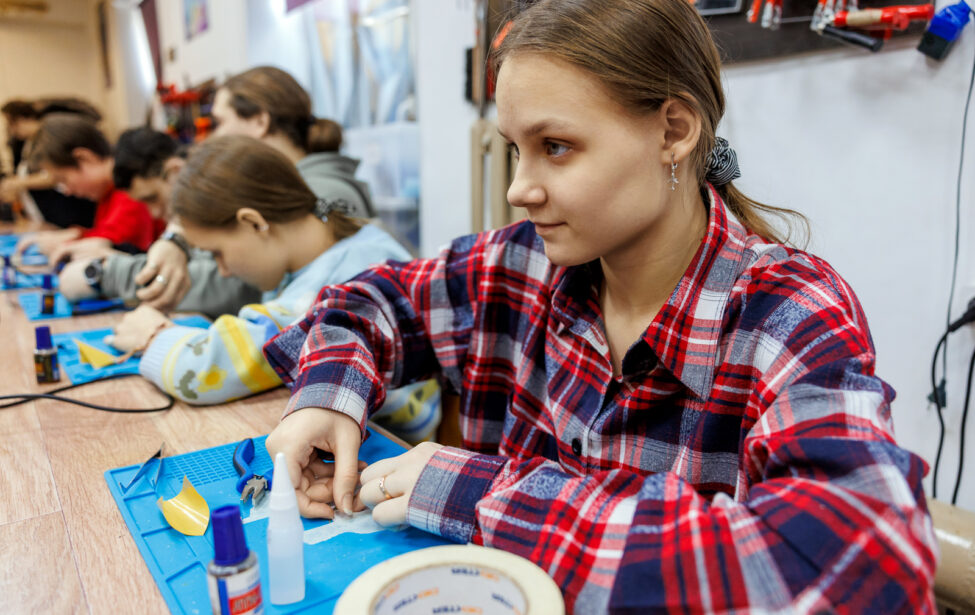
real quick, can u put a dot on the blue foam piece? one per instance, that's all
(28, 280)
(178, 563)
(31, 256)
(8, 242)
(31, 304)
(69, 358)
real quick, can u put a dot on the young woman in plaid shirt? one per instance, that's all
(662, 405)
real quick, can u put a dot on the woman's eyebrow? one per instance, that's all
(540, 126)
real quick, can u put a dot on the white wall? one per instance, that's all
(215, 54)
(51, 55)
(867, 147)
(864, 145)
(130, 97)
(444, 29)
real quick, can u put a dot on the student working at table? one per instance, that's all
(265, 103)
(75, 153)
(146, 165)
(663, 406)
(32, 187)
(247, 204)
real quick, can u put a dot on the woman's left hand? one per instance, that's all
(137, 328)
(398, 476)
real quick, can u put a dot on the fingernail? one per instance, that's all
(347, 504)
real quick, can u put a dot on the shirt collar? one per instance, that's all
(686, 334)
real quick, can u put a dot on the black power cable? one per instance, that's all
(938, 396)
(961, 160)
(961, 437)
(23, 398)
(938, 389)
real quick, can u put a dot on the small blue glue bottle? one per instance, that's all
(233, 576)
(47, 294)
(45, 356)
(9, 273)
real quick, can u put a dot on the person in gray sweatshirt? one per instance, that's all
(266, 103)
(146, 165)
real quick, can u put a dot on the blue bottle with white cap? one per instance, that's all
(233, 576)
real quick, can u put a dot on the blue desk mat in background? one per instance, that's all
(178, 563)
(31, 256)
(31, 304)
(26, 280)
(69, 358)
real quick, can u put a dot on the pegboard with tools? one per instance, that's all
(760, 29)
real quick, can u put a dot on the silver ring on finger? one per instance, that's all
(382, 488)
(161, 279)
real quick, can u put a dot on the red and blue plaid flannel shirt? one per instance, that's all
(744, 459)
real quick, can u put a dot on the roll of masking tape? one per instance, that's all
(453, 579)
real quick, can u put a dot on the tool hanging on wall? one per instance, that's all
(867, 28)
(944, 29)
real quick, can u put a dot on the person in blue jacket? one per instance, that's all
(246, 203)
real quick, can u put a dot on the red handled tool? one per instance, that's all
(876, 24)
(886, 18)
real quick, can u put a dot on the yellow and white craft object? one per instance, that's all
(187, 512)
(453, 579)
(93, 356)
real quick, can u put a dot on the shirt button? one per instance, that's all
(576, 446)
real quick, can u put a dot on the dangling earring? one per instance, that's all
(673, 173)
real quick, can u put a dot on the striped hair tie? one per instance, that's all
(721, 165)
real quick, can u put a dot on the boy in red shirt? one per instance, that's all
(79, 158)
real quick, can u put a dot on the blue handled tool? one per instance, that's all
(249, 484)
(96, 306)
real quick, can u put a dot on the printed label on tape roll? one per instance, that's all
(466, 579)
(452, 589)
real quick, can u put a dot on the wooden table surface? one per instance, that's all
(64, 547)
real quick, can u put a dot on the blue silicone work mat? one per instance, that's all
(31, 256)
(178, 563)
(31, 304)
(69, 358)
(26, 280)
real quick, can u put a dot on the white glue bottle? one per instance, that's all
(285, 539)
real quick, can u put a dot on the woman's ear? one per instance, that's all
(263, 122)
(252, 219)
(682, 128)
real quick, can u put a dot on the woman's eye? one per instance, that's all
(555, 149)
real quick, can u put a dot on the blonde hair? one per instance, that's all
(644, 52)
(224, 174)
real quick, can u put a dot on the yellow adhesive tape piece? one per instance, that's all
(93, 356)
(453, 579)
(187, 512)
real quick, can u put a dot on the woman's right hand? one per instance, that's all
(165, 276)
(297, 436)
